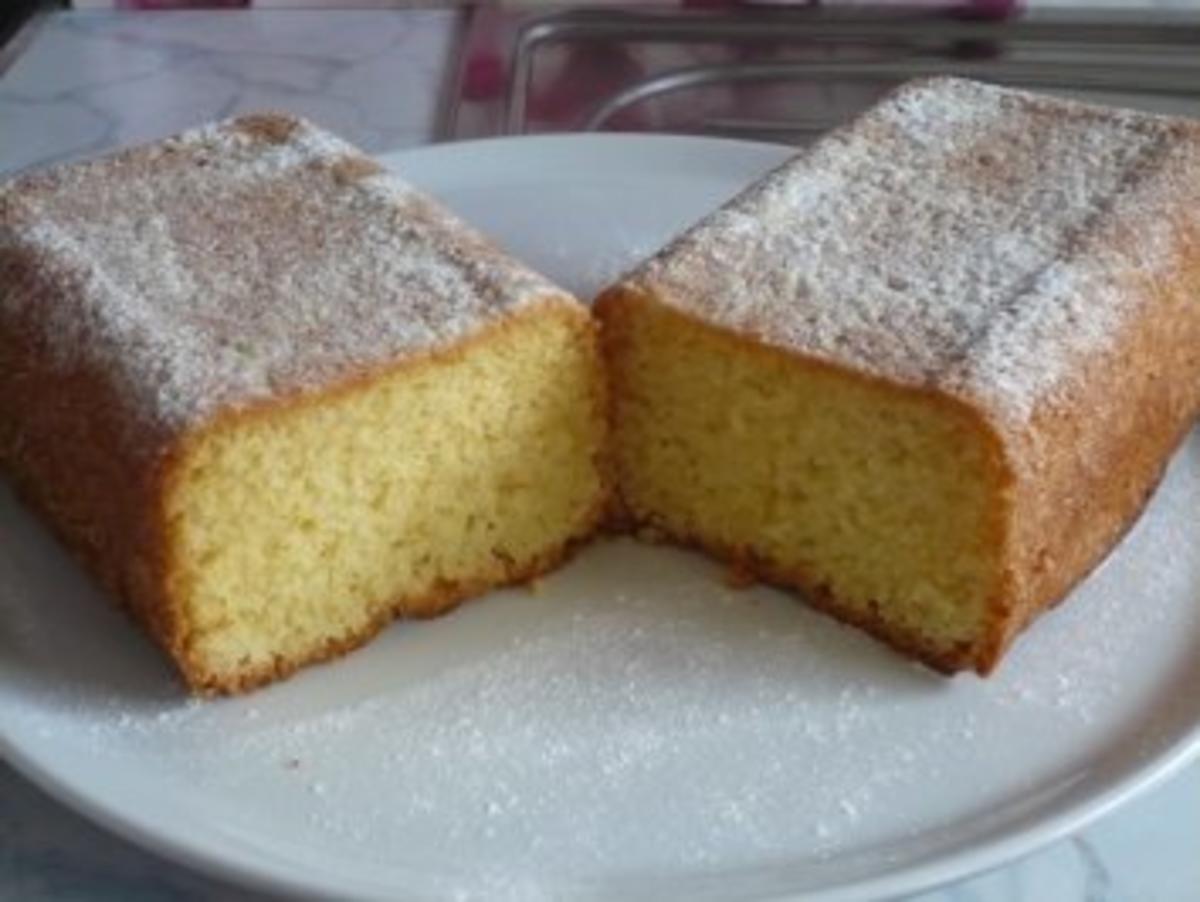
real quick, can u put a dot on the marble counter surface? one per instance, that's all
(86, 82)
(82, 83)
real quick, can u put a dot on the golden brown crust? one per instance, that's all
(1090, 458)
(75, 458)
(273, 128)
(353, 169)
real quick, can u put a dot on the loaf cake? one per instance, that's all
(927, 371)
(274, 397)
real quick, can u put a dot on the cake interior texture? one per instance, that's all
(294, 533)
(881, 498)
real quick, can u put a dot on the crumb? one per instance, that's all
(268, 127)
(292, 763)
(738, 576)
(617, 521)
(348, 170)
(651, 535)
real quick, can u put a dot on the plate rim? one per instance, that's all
(1017, 843)
(1019, 839)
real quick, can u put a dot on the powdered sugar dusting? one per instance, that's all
(959, 235)
(240, 261)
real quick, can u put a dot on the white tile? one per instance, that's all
(88, 82)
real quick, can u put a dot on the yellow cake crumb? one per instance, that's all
(873, 499)
(302, 529)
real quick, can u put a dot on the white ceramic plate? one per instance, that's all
(636, 730)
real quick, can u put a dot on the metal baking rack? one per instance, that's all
(789, 74)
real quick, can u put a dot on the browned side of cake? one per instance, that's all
(1091, 457)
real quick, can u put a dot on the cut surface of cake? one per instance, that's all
(273, 396)
(929, 370)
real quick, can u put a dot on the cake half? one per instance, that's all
(929, 370)
(275, 397)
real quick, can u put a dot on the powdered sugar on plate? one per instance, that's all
(636, 715)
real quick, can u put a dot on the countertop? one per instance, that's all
(84, 82)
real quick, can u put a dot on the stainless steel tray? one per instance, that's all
(790, 74)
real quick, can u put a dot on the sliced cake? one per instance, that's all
(929, 370)
(275, 397)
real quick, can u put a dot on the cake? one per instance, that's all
(928, 371)
(273, 397)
